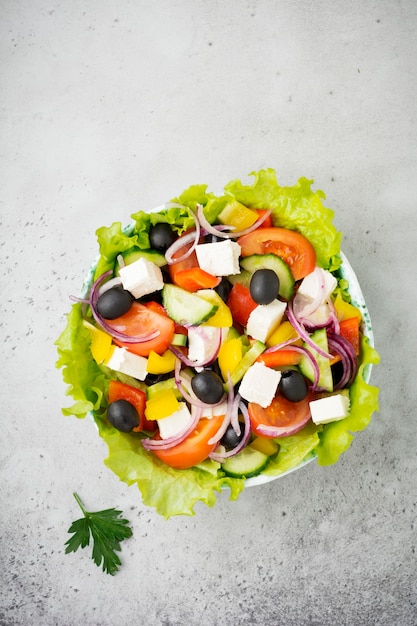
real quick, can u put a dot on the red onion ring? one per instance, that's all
(231, 416)
(213, 230)
(170, 442)
(113, 282)
(244, 441)
(346, 351)
(191, 237)
(300, 329)
(94, 296)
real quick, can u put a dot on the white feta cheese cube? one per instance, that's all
(320, 282)
(121, 360)
(141, 277)
(175, 423)
(214, 411)
(329, 409)
(220, 258)
(259, 384)
(264, 319)
(201, 342)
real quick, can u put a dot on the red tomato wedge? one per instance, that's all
(349, 330)
(240, 303)
(189, 262)
(292, 247)
(266, 223)
(143, 319)
(194, 278)
(283, 416)
(137, 397)
(195, 448)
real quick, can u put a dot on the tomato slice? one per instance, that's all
(292, 247)
(267, 223)
(240, 303)
(137, 397)
(188, 263)
(195, 448)
(284, 416)
(143, 319)
(349, 330)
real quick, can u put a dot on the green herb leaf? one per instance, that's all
(107, 530)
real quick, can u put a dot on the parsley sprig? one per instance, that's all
(107, 530)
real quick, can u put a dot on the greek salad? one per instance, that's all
(215, 341)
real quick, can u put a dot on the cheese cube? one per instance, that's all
(175, 423)
(220, 258)
(259, 384)
(121, 360)
(264, 319)
(141, 277)
(201, 342)
(319, 282)
(329, 409)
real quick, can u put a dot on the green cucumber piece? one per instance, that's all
(134, 255)
(248, 359)
(245, 464)
(183, 306)
(179, 340)
(163, 385)
(326, 379)
(273, 262)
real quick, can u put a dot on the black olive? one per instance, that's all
(123, 415)
(230, 440)
(114, 302)
(223, 289)
(161, 236)
(264, 286)
(207, 386)
(293, 386)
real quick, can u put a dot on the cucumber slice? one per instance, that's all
(133, 255)
(249, 359)
(272, 262)
(247, 463)
(326, 379)
(183, 306)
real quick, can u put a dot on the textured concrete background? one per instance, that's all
(109, 107)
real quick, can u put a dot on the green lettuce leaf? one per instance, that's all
(175, 492)
(171, 492)
(298, 208)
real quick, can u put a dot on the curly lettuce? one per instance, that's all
(175, 492)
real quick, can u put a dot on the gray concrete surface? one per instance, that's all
(109, 107)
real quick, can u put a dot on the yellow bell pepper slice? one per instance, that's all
(101, 343)
(160, 363)
(161, 405)
(284, 332)
(237, 215)
(266, 446)
(222, 318)
(345, 310)
(230, 355)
